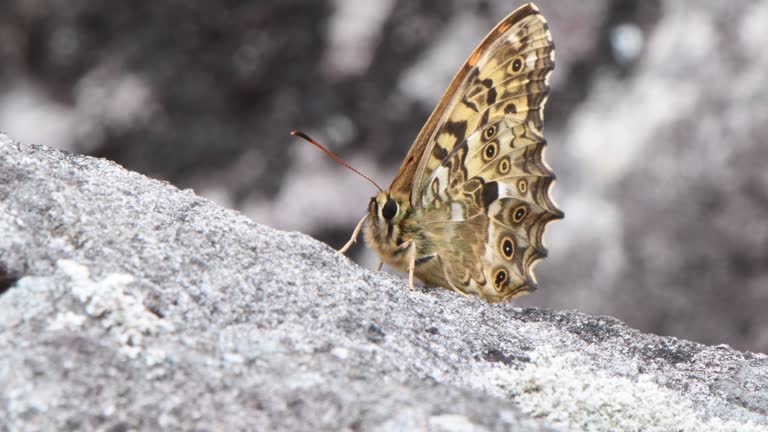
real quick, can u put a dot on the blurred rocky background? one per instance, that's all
(657, 125)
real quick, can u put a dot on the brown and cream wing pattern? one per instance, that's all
(506, 75)
(485, 162)
(495, 189)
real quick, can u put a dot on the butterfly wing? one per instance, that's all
(482, 178)
(490, 199)
(473, 95)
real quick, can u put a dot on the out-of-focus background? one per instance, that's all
(657, 124)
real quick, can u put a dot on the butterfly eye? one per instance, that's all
(519, 213)
(499, 279)
(490, 151)
(390, 209)
(507, 247)
(517, 65)
(522, 186)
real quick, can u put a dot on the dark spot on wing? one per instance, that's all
(490, 98)
(486, 115)
(439, 153)
(490, 193)
(471, 105)
(457, 129)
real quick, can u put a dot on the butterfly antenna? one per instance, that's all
(334, 157)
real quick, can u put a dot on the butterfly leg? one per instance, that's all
(381, 264)
(355, 233)
(411, 262)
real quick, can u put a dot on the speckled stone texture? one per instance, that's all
(126, 304)
(656, 127)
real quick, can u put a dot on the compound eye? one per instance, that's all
(390, 209)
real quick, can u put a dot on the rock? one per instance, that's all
(129, 304)
(656, 127)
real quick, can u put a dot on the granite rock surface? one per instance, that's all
(128, 304)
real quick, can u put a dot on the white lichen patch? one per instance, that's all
(67, 321)
(562, 389)
(119, 310)
(453, 423)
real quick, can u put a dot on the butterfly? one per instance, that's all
(469, 206)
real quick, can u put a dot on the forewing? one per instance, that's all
(506, 76)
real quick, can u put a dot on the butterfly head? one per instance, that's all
(385, 214)
(385, 209)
